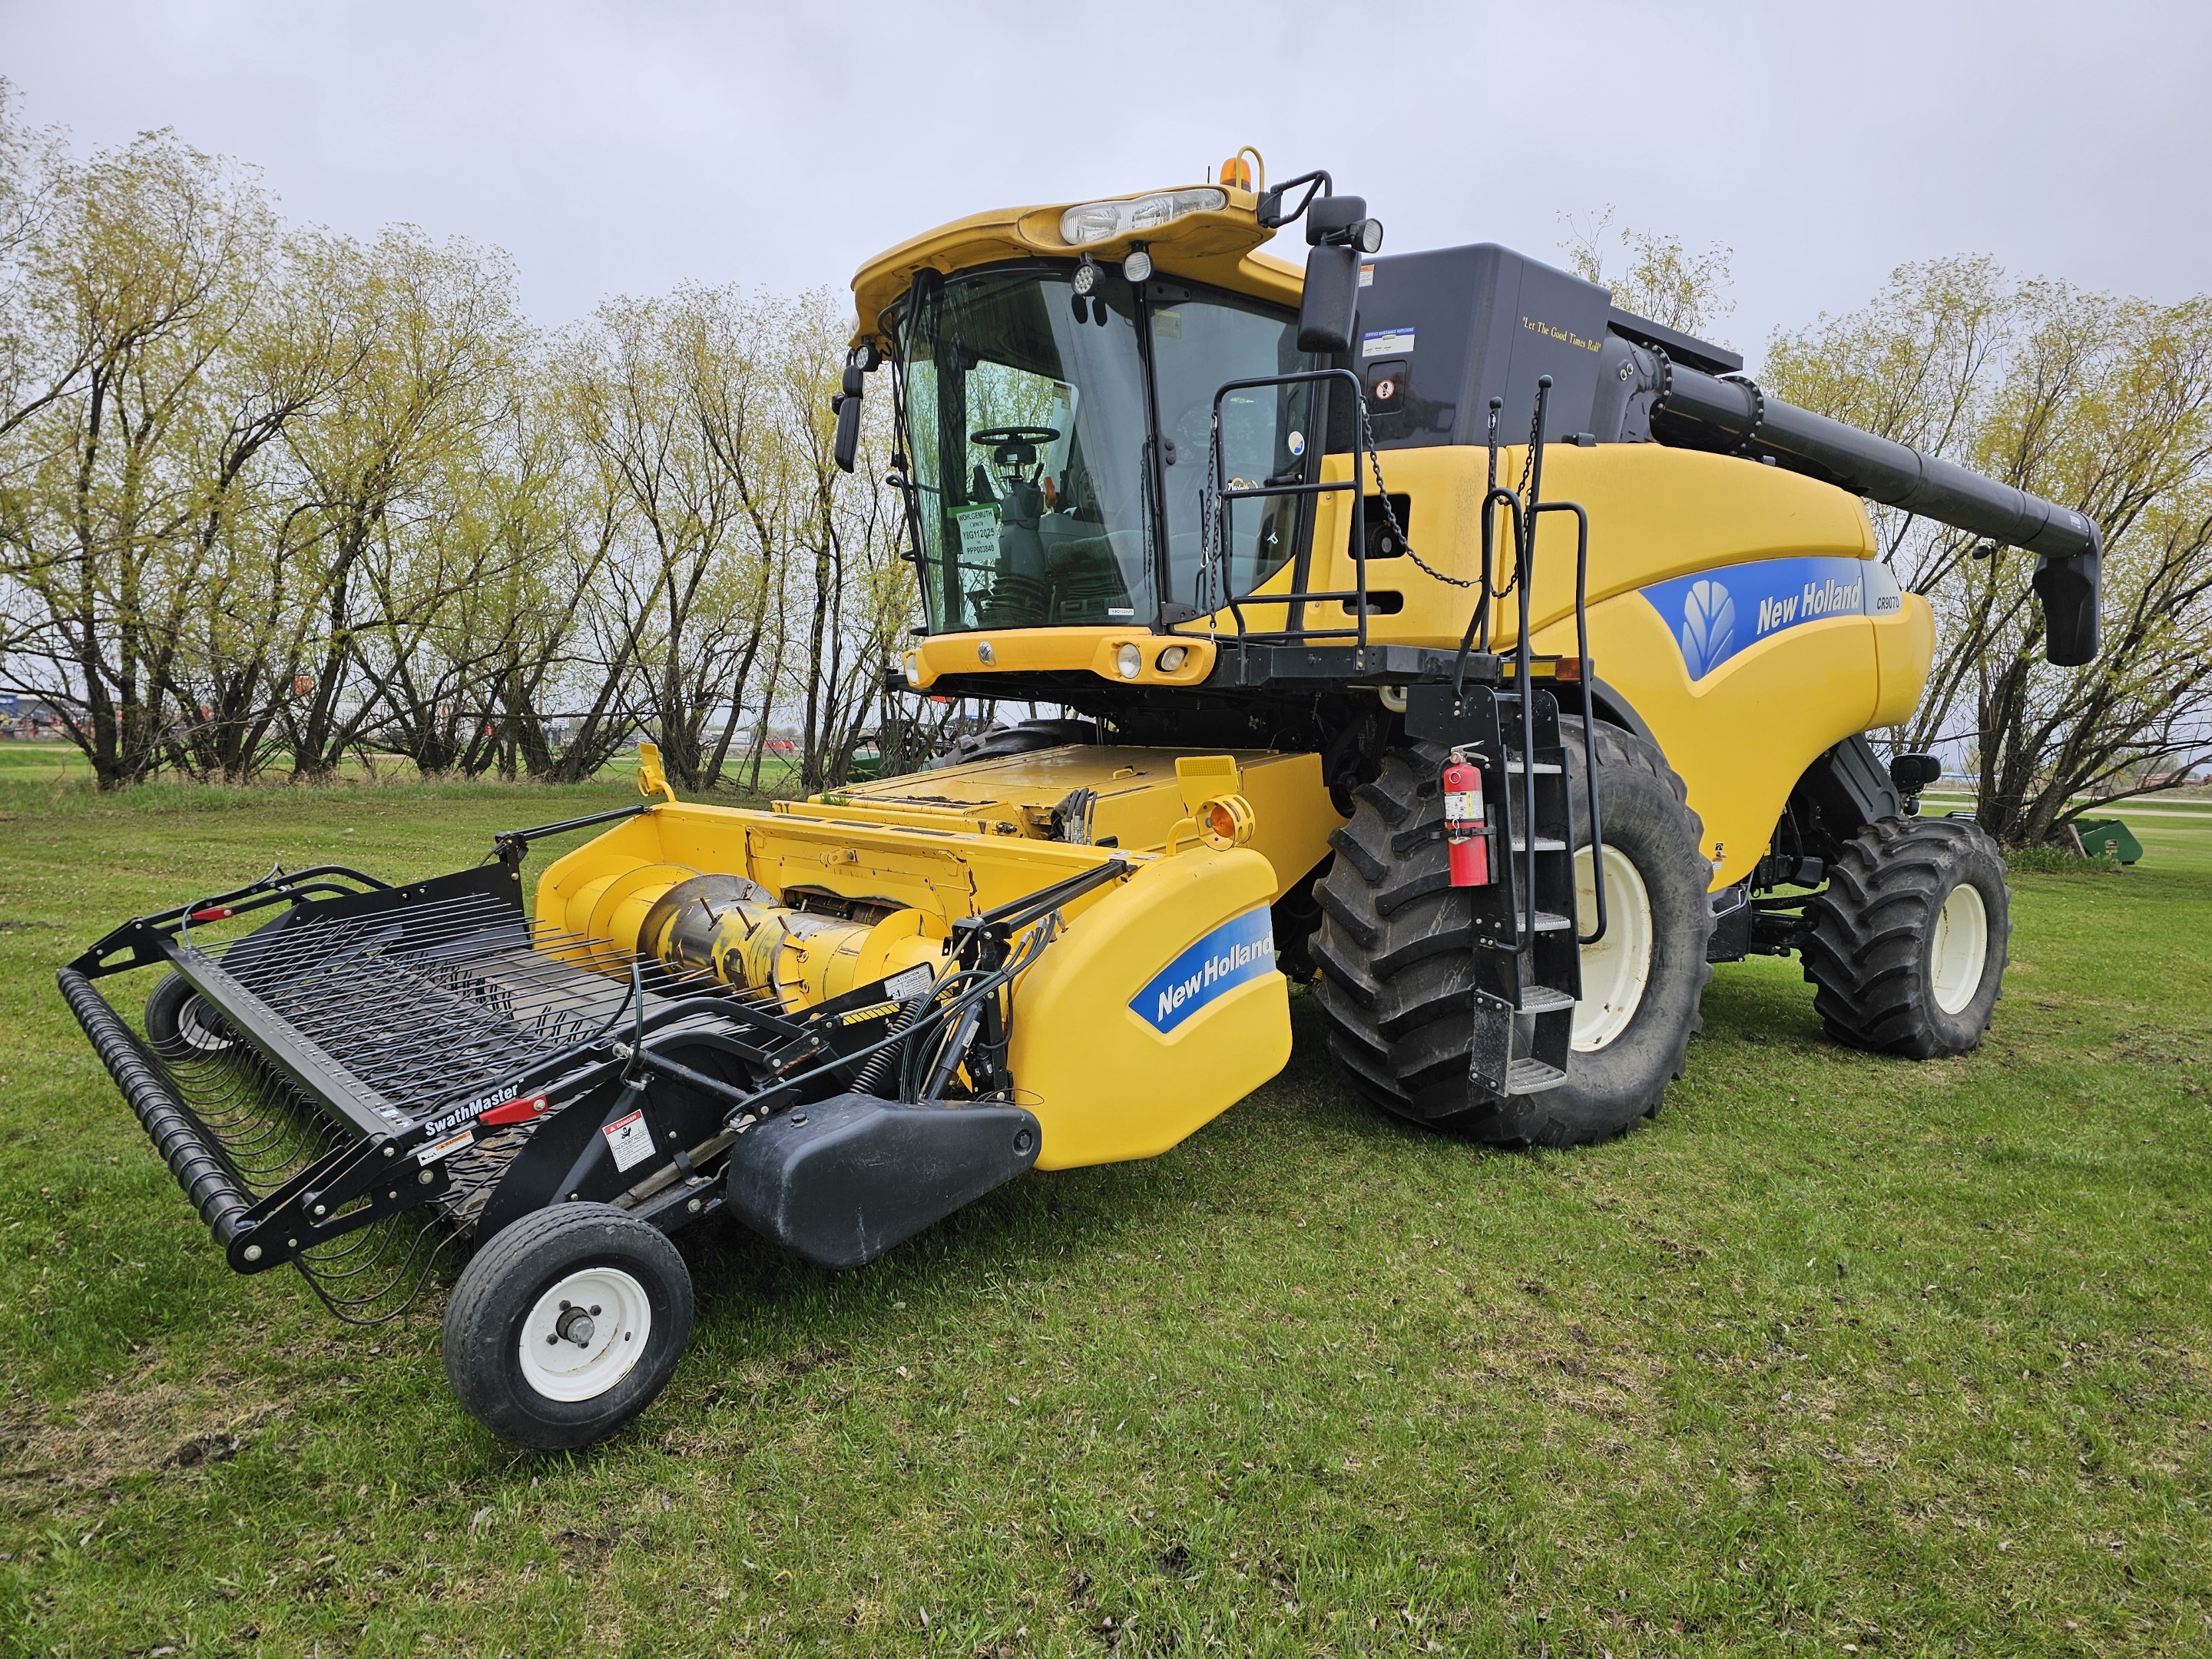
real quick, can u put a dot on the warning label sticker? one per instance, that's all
(445, 1148)
(630, 1139)
(913, 983)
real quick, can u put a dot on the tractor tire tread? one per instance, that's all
(1865, 944)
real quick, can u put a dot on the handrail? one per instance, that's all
(1296, 599)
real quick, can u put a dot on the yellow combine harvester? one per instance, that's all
(1434, 633)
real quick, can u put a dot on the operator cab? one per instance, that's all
(1059, 416)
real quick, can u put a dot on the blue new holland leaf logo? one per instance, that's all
(1713, 621)
(1708, 627)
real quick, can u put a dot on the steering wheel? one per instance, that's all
(1014, 446)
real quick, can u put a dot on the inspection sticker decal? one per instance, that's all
(1386, 343)
(1236, 953)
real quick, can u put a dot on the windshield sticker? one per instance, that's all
(1236, 953)
(979, 531)
(1296, 443)
(1717, 613)
(1386, 341)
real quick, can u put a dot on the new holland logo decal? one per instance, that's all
(1236, 953)
(1716, 614)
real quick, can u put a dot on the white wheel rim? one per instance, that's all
(193, 1030)
(585, 1334)
(1618, 966)
(1959, 948)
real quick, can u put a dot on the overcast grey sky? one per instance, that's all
(624, 148)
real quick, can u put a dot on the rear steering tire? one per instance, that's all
(1906, 944)
(566, 1324)
(1395, 948)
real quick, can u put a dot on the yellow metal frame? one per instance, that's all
(1740, 738)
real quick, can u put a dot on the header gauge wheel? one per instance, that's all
(1906, 944)
(566, 1324)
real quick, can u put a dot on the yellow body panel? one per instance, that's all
(1654, 513)
(1139, 799)
(1741, 738)
(1219, 248)
(1108, 1085)
(1904, 651)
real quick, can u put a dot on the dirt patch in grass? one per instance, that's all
(136, 1425)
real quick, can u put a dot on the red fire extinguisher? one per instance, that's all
(1467, 839)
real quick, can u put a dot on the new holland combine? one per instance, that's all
(1432, 633)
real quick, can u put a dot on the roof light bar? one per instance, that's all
(1101, 221)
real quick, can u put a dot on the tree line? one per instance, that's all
(271, 497)
(2099, 402)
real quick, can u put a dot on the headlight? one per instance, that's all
(1138, 265)
(1129, 661)
(1099, 221)
(1173, 658)
(914, 668)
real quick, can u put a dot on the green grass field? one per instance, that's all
(1841, 1354)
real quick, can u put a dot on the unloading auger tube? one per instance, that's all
(1730, 415)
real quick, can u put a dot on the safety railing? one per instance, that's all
(1222, 496)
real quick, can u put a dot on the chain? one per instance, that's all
(1212, 541)
(1390, 514)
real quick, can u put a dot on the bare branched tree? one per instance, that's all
(2100, 404)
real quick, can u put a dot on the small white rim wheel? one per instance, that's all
(1959, 947)
(196, 1033)
(1618, 966)
(585, 1334)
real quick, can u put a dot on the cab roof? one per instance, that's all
(1220, 247)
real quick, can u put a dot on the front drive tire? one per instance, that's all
(1395, 941)
(566, 1325)
(1906, 944)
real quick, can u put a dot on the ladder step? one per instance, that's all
(1544, 844)
(1527, 1076)
(1547, 922)
(1544, 1000)
(1541, 769)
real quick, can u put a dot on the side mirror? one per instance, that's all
(1331, 304)
(2069, 587)
(1339, 231)
(846, 404)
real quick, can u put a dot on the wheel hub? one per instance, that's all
(1957, 946)
(584, 1334)
(1618, 966)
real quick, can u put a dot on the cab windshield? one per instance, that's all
(1039, 491)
